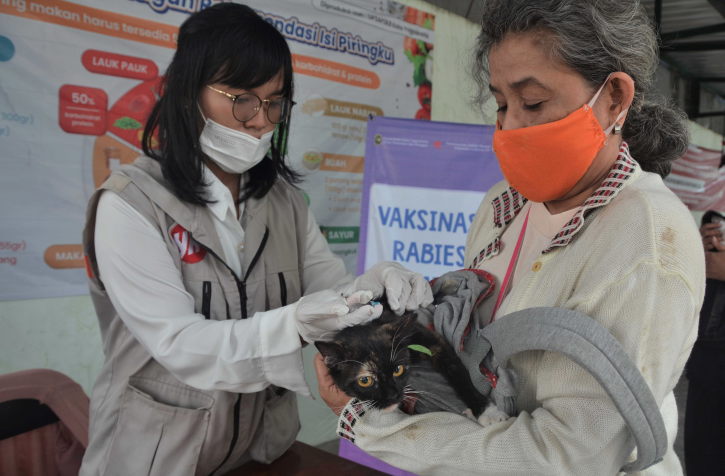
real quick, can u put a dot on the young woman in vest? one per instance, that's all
(198, 255)
(583, 153)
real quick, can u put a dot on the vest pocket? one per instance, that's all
(279, 426)
(206, 300)
(282, 289)
(160, 429)
(209, 298)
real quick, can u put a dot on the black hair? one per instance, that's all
(230, 44)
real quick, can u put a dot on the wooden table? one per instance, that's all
(305, 460)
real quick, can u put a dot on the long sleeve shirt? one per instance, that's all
(147, 291)
(637, 268)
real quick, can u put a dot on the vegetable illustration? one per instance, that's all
(425, 92)
(411, 45)
(312, 159)
(423, 114)
(127, 123)
(420, 55)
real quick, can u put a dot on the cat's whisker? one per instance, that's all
(394, 346)
(332, 415)
(395, 354)
(326, 420)
(367, 404)
(361, 364)
(392, 343)
(421, 393)
(334, 404)
(411, 391)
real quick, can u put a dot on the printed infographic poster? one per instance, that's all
(79, 78)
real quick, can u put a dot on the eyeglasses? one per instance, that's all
(246, 106)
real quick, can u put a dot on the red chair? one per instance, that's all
(43, 424)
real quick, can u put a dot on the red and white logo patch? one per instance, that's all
(189, 250)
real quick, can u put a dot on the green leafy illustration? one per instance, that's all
(420, 348)
(127, 123)
(419, 76)
(282, 144)
(418, 61)
(423, 49)
(428, 23)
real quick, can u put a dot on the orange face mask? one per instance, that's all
(544, 162)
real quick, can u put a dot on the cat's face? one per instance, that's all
(372, 362)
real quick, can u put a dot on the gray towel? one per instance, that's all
(567, 332)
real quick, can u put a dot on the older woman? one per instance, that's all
(583, 154)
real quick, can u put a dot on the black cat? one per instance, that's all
(372, 362)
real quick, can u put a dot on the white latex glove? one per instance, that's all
(405, 290)
(321, 315)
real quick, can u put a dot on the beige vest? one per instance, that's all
(142, 419)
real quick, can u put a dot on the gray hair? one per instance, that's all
(595, 38)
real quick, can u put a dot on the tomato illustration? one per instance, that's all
(411, 44)
(139, 103)
(126, 118)
(423, 114)
(425, 93)
(420, 18)
(410, 14)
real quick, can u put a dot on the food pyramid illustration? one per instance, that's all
(121, 144)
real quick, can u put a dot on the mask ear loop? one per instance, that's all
(621, 114)
(596, 96)
(201, 112)
(594, 99)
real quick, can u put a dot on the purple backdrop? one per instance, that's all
(427, 154)
(424, 154)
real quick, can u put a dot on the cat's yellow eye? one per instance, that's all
(365, 381)
(398, 371)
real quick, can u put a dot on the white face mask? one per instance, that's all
(234, 151)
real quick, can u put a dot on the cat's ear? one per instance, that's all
(332, 352)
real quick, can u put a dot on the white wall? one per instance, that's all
(62, 333)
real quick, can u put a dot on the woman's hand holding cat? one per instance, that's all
(715, 260)
(321, 315)
(330, 393)
(405, 290)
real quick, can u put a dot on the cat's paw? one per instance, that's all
(469, 414)
(492, 415)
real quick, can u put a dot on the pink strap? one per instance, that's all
(512, 266)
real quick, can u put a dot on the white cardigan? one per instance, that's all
(638, 268)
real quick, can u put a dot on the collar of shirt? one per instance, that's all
(508, 205)
(219, 193)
